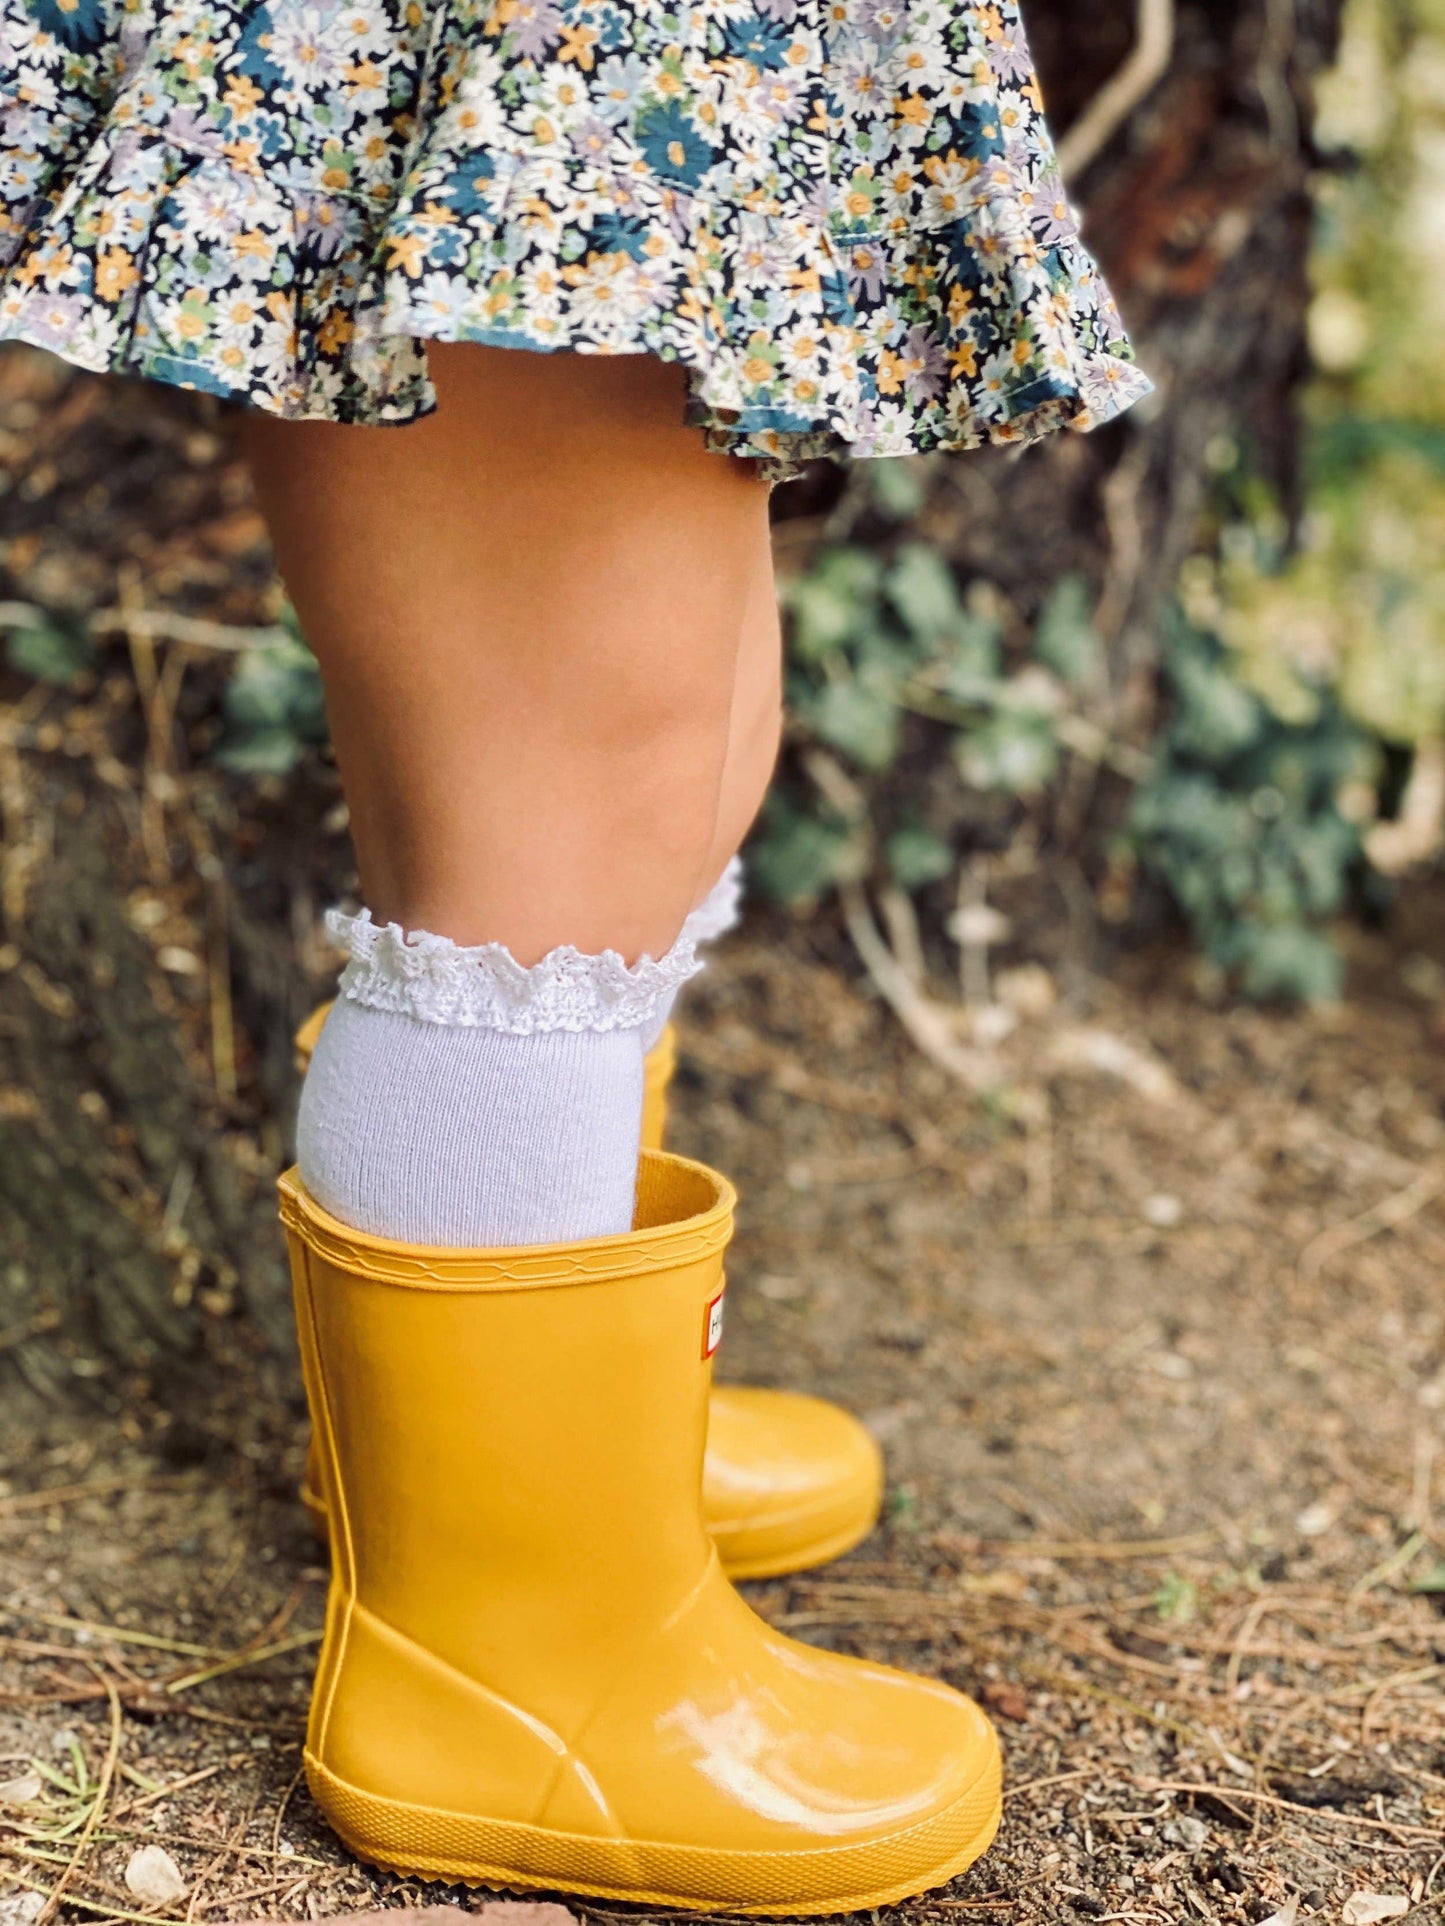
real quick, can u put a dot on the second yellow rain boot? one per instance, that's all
(534, 1672)
(790, 1481)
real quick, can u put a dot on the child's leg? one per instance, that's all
(754, 733)
(757, 714)
(529, 612)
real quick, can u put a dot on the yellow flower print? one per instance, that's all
(336, 332)
(115, 273)
(577, 45)
(406, 252)
(242, 95)
(891, 370)
(489, 180)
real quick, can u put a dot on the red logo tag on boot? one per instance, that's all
(712, 1325)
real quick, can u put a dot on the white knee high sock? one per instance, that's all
(456, 1098)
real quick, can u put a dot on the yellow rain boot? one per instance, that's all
(790, 1481)
(658, 1069)
(534, 1673)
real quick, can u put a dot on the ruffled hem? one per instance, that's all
(413, 973)
(113, 248)
(719, 910)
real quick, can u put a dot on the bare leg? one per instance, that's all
(756, 724)
(529, 612)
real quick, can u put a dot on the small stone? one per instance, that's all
(1186, 1831)
(1368, 1909)
(1315, 1519)
(1007, 1700)
(151, 1874)
(23, 1791)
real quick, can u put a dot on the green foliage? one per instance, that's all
(916, 857)
(800, 856)
(273, 709)
(50, 650)
(1241, 818)
(1364, 600)
(1016, 747)
(1065, 638)
(886, 654)
(1176, 1599)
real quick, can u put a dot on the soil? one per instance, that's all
(1160, 1374)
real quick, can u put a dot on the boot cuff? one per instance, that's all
(684, 1216)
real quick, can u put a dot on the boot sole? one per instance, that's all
(422, 1842)
(797, 1558)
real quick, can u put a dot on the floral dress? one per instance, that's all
(843, 217)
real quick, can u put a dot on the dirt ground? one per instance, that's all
(1160, 1374)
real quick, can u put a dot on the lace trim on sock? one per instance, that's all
(719, 910)
(416, 974)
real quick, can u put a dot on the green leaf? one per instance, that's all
(1288, 962)
(916, 857)
(1217, 716)
(921, 587)
(1431, 1582)
(797, 858)
(50, 651)
(1176, 1599)
(900, 487)
(971, 672)
(835, 599)
(859, 719)
(270, 751)
(1064, 636)
(1014, 750)
(274, 709)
